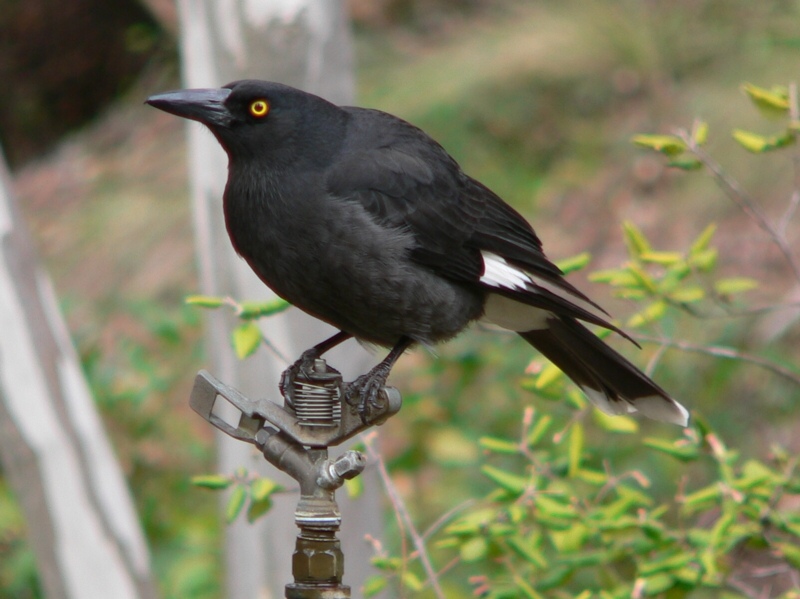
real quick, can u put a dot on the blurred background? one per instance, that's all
(538, 100)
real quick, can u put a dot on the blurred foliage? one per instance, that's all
(570, 512)
(574, 506)
(18, 576)
(246, 489)
(560, 520)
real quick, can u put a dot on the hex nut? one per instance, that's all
(315, 563)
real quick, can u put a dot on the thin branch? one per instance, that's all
(724, 352)
(400, 509)
(446, 517)
(794, 201)
(741, 198)
(750, 311)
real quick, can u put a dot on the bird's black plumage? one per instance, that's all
(364, 221)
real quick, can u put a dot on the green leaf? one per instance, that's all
(473, 550)
(700, 132)
(607, 275)
(256, 509)
(653, 585)
(526, 549)
(374, 585)
(549, 375)
(721, 528)
(758, 144)
(246, 338)
(252, 310)
(554, 507)
(615, 424)
(528, 592)
(593, 477)
(584, 558)
(670, 145)
(674, 275)
(411, 581)
(651, 313)
(790, 552)
(204, 301)
(734, 285)
(689, 575)
(704, 260)
(496, 445)
(473, 522)
(688, 294)
(354, 487)
(571, 539)
(750, 141)
(701, 243)
(616, 277)
(663, 258)
(539, 429)
(755, 473)
(636, 295)
(773, 102)
(509, 481)
(678, 449)
(665, 564)
(212, 481)
(702, 498)
(262, 487)
(634, 238)
(235, 503)
(574, 263)
(643, 279)
(685, 164)
(554, 577)
(387, 564)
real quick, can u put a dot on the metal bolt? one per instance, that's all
(349, 465)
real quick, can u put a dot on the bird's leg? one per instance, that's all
(306, 362)
(364, 390)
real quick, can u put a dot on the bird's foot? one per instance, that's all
(304, 365)
(364, 392)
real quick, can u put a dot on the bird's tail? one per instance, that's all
(610, 381)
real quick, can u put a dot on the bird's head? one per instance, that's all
(261, 119)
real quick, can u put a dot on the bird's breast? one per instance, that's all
(330, 258)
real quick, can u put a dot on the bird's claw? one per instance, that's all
(304, 365)
(364, 394)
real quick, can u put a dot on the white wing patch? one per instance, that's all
(497, 272)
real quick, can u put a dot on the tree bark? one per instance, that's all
(80, 516)
(304, 43)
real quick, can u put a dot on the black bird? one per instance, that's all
(362, 220)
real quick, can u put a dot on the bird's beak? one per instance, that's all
(206, 106)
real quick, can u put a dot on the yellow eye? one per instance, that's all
(259, 108)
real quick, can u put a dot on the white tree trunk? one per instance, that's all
(80, 516)
(304, 43)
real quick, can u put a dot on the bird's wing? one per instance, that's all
(463, 231)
